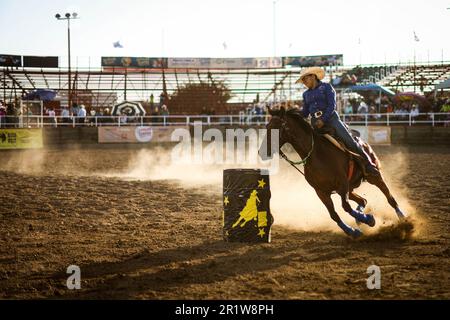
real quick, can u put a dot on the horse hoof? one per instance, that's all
(356, 233)
(401, 216)
(370, 220)
(357, 222)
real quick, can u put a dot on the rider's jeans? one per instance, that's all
(342, 132)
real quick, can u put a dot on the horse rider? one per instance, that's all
(319, 101)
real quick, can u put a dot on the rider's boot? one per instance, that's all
(367, 166)
(371, 170)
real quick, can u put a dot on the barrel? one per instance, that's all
(246, 205)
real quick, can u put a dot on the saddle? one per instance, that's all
(329, 134)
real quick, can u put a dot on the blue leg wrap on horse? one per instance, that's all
(364, 218)
(400, 213)
(349, 230)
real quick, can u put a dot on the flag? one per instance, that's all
(225, 46)
(416, 38)
(117, 44)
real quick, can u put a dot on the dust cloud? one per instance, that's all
(294, 203)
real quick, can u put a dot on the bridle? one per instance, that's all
(286, 130)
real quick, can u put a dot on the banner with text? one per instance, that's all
(9, 60)
(136, 134)
(379, 135)
(20, 138)
(224, 63)
(310, 61)
(134, 62)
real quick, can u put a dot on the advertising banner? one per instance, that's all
(136, 134)
(224, 63)
(8, 60)
(20, 138)
(379, 135)
(310, 61)
(134, 62)
(40, 62)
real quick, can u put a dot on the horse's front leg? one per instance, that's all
(326, 199)
(359, 200)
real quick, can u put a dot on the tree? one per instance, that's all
(200, 98)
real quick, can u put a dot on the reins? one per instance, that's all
(303, 161)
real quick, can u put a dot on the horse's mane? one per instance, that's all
(298, 117)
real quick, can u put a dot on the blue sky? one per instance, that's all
(364, 31)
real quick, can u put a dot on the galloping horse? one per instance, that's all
(326, 167)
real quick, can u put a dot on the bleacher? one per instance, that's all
(417, 78)
(100, 88)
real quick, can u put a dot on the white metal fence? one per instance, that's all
(432, 119)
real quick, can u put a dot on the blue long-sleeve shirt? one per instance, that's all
(321, 98)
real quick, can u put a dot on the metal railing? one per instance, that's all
(381, 119)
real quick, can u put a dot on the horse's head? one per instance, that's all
(278, 121)
(291, 127)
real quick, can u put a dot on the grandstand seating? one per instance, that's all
(101, 88)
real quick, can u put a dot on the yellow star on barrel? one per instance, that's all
(261, 232)
(226, 201)
(261, 183)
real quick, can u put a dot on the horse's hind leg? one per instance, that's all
(359, 200)
(359, 216)
(326, 199)
(379, 182)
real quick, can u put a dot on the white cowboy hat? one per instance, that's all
(318, 71)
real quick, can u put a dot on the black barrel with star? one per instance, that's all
(246, 205)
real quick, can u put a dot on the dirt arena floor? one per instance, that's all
(161, 239)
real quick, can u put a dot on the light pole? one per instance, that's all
(274, 29)
(274, 49)
(68, 17)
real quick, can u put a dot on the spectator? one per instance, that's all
(161, 99)
(348, 109)
(414, 111)
(446, 108)
(52, 117)
(92, 117)
(75, 110)
(123, 118)
(2, 116)
(164, 110)
(362, 109)
(106, 117)
(155, 114)
(11, 115)
(81, 114)
(389, 108)
(152, 101)
(401, 112)
(373, 111)
(65, 115)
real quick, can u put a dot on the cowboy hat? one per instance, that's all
(317, 71)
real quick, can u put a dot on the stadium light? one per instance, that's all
(68, 17)
(274, 29)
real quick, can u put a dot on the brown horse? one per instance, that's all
(326, 167)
